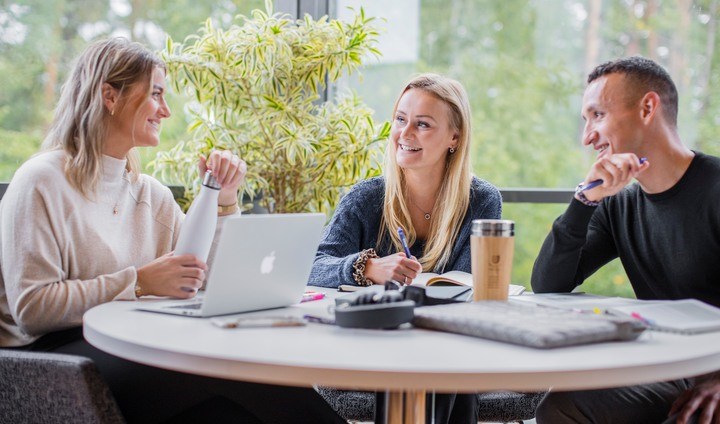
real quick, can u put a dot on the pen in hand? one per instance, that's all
(403, 240)
(593, 184)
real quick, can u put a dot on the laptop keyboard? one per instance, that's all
(526, 325)
(191, 306)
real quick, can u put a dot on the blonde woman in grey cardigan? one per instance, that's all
(81, 226)
(427, 189)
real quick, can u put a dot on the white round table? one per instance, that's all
(407, 360)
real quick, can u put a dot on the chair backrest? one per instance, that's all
(38, 387)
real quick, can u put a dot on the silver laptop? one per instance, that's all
(261, 262)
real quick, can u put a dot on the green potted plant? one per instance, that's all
(256, 89)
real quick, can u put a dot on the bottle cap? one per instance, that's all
(493, 228)
(210, 181)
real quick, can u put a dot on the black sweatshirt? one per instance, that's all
(669, 243)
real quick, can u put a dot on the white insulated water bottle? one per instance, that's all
(198, 228)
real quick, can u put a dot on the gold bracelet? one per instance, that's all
(138, 290)
(359, 266)
(228, 209)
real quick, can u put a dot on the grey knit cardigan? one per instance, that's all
(356, 224)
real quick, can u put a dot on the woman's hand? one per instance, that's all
(229, 171)
(397, 267)
(176, 276)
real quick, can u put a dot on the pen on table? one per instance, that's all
(403, 240)
(258, 322)
(319, 320)
(308, 296)
(593, 184)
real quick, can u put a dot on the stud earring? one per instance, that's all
(112, 112)
(451, 150)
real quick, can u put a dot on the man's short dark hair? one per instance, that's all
(643, 75)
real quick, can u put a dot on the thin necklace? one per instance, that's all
(116, 208)
(427, 214)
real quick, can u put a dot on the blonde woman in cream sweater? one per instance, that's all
(80, 226)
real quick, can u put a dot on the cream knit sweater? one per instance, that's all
(61, 253)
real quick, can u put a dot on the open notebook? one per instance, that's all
(456, 278)
(687, 316)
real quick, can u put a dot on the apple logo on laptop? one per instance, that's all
(266, 266)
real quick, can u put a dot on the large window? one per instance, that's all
(40, 38)
(523, 63)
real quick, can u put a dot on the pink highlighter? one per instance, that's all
(311, 295)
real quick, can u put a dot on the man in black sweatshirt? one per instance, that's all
(665, 229)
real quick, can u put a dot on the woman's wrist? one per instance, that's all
(228, 209)
(138, 290)
(227, 202)
(227, 196)
(141, 282)
(359, 267)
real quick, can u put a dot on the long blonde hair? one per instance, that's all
(80, 123)
(454, 194)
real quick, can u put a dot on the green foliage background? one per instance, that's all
(258, 90)
(522, 61)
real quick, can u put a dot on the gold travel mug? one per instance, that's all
(492, 244)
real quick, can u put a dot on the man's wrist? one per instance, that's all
(580, 196)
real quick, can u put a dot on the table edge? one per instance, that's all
(291, 375)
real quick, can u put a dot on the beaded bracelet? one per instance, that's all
(359, 267)
(581, 197)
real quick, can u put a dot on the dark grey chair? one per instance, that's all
(493, 406)
(43, 387)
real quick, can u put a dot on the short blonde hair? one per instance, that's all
(454, 195)
(80, 123)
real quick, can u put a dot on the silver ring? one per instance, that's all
(405, 280)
